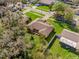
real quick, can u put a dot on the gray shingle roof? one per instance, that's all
(70, 35)
(43, 28)
(47, 1)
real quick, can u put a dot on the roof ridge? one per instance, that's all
(71, 32)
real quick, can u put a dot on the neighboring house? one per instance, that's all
(70, 38)
(47, 2)
(76, 20)
(38, 26)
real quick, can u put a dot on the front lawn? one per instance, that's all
(34, 15)
(60, 53)
(57, 51)
(44, 8)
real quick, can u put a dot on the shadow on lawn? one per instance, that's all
(68, 26)
(69, 49)
(60, 23)
(51, 42)
(50, 36)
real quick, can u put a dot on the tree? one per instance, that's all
(75, 1)
(24, 1)
(12, 43)
(63, 10)
(30, 1)
(2, 11)
(13, 1)
(59, 6)
(2, 2)
(69, 14)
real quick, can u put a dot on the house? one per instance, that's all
(76, 20)
(46, 2)
(41, 27)
(70, 39)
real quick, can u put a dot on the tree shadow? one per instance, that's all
(68, 24)
(72, 28)
(50, 36)
(60, 23)
(51, 42)
(69, 48)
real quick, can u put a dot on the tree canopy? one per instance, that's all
(64, 10)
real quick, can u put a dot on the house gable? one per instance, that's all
(68, 42)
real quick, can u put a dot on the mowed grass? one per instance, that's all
(34, 15)
(36, 39)
(44, 8)
(57, 51)
(59, 26)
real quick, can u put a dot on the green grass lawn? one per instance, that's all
(44, 8)
(59, 26)
(59, 52)
(34, 15)
(56, 49)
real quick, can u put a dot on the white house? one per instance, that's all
(70, 38)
